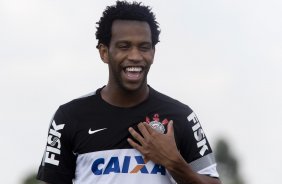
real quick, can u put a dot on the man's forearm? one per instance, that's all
(183, 174)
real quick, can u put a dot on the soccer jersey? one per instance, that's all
(87, 142)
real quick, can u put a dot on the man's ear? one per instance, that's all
(104, 53)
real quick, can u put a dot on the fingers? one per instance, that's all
(145, 131)
(148, 128)
(138, 148)
(134, 145)
(136, 135)
(170, 130)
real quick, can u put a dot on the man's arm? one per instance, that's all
(162, 149)
(58, 166)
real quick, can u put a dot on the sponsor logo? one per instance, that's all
(199, 134)
(156, 124)
(53, 144)
(125, 164)
(95, 131)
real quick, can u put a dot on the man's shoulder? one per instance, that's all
(165, 99)
(82, 102)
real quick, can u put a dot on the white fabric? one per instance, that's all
(84, 173)
(211, 171)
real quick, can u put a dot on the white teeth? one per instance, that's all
(133, 69)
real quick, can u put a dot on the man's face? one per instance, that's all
(130, 54)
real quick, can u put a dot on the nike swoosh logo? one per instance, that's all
(95, 131)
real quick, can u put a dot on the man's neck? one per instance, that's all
(123, 98)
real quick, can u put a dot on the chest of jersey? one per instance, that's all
(104, 155)
(104, 130)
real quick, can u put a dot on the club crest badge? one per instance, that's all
(156, 124)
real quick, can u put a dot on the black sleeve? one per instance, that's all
(194, 145)
(58, 162)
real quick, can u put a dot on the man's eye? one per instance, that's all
(123, 46)
(145, 47)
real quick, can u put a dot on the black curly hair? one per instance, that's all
(123, 10)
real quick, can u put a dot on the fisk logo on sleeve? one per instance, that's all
(53, 144)
(198, 134)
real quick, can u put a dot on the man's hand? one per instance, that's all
(161, 149)
(155, 146)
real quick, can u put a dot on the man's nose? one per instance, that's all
(134, 54)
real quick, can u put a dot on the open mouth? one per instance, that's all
(133, 72)
(133, 69)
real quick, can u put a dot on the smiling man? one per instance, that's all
(129, 56)
(127, 132)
